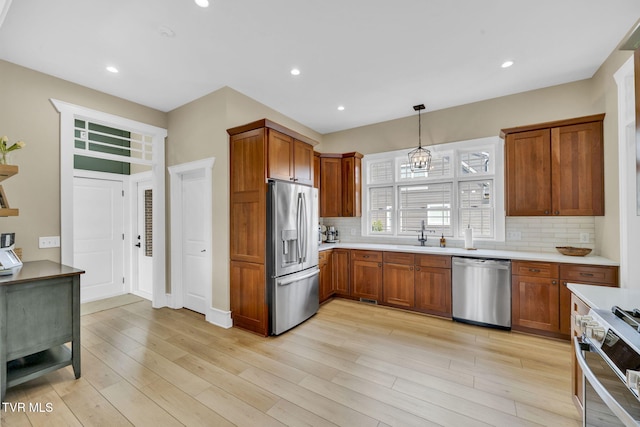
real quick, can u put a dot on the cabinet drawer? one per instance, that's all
(589, 274)
(534, 269)
(373, 256)
(399, 258)
(437, 261)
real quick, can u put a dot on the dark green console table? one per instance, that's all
(39, 322)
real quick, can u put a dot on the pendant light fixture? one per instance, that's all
(420, 158)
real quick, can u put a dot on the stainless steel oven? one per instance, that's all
(609, 354)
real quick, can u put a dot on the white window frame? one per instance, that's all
(494, 145)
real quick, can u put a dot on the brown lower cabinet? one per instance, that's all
(325, 289)
(340, 269)
(366, 274)
(578, 307)
(541, 301)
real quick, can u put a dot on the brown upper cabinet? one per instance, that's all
(341, 185)
(555, 168)
(289, 159)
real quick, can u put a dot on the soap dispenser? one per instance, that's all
(443, 241)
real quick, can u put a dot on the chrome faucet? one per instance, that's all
(423, 239)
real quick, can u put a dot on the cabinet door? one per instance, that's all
(316, 170)
(366, 279)
(577, 169)
(535, 303)
(248, 196)
(397, 284)
(302, 162)
(280, 156)
(248, 299)
(352, 186)
(433, 290)
(340, 271)
(330, 187)
(528, 173)
(324, 263)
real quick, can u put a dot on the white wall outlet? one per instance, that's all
(49, 242)
(514, 235)
(584, 237)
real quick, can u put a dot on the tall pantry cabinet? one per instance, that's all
(258, 151)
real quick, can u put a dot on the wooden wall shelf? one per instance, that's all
(7, 171)
(9, 212)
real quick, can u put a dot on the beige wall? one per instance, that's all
(26, 113)
(198, 130)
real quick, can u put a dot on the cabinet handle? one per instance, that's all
(553, 282)
(379, 264)
(365, 256)
(534, 270)
(546, 212)
(557, 212)
(417, 268)
(586, 274)
(411, 268)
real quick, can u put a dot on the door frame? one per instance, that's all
(134, 180)
(68, 114)
(175, 184)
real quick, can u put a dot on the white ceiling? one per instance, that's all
(377, 58)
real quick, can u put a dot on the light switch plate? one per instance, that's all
(49, 242)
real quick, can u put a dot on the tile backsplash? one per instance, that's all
(532, 234)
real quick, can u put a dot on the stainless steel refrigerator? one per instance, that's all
(292, 254)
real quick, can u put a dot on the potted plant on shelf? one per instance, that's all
(5, 149)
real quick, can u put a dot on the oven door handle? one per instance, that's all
(606, 397)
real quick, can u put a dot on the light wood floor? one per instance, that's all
(351, 365)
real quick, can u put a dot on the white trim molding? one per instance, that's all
(628, 181)
(68, 114)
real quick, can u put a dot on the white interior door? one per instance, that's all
(143, 238)
(195, 259)
(98, 229)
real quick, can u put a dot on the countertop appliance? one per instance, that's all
(292, 254)
(481, 291)
(608, 352)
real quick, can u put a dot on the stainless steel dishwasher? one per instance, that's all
(481, 291)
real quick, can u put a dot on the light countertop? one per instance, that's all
(605, 297)
(479, 253)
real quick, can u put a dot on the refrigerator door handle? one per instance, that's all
(291, 280)
(299, 227)
(305, 228)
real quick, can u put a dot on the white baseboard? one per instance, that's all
(219, 318)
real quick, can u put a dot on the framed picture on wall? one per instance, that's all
(4, 203)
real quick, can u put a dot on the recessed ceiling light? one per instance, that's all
(295, 72)
(341, 108)
(202, 3)
(507, 64)
(112, 69)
